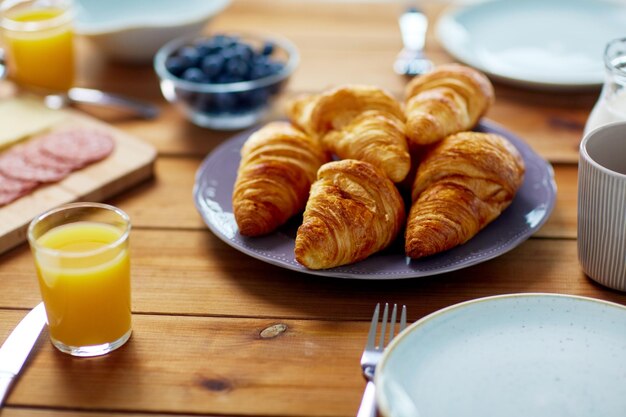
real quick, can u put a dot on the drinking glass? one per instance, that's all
(82, 259)
(38, 43)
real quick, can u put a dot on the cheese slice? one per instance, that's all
(23, 117)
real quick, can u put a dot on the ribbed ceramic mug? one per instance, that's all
(602, 205)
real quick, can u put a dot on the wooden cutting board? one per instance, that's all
(131, 162)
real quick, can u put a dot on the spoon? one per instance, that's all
(101, 98)
(411, 60)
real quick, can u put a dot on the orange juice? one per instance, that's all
(40, 47)
(86, 290)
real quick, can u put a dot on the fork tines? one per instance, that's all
(372, 353)
(371, 339)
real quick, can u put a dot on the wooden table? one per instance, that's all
(200, 307)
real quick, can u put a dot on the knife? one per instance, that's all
(100, 98)
(17, 347)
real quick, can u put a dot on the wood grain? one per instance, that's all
(223, 365)
(200, 306)
(10, 411)
(563, 221)
(194, 273)
(206, 365)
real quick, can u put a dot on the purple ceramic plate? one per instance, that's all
(526, 214)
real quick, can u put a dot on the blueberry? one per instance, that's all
(224, 102)
(257, 97)
(248, 100)
(228, 53)
(219, 38)
(225, 78)
(194, 75)
(262, 68)
(237, 67)
(268, 49)
(208, 47)
(204, 103)
(212, 65)
(176, 65)
(225, 41)
(225, 59)
(275, 67)
(190, 54)
(243, 51)
(260, 60)
(258, 71)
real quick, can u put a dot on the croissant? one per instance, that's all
(278, 165)
(353, 211)
(449, 99)
(462, 184)
(357, 122)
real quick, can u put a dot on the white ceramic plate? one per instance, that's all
(518, 355)
(556, 44)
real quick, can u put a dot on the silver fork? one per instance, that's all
(373, 352)
(411, 60)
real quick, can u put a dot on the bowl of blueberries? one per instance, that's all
(225, 81)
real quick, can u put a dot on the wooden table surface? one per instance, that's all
(200, 307)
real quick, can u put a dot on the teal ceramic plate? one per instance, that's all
(535, 43)
(519, 355)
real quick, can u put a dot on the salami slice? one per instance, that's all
(79, 147)
(10, 185)
(50, 158)
(11, 189)
(36, 156)
(7, 197)
(13, 165)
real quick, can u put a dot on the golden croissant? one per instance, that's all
(357, 122)
(353, 211)
(450, 99)
(278, 165)
(462, 184)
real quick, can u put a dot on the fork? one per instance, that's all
(411, 60)
(373, 352)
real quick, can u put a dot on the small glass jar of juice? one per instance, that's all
(38, 40)
(82, 261)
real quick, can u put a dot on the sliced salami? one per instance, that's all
(79, 147)
(11, 189)
(13, 165)
(36, 156)
(10, 185)
(7, 197)
(50, 158)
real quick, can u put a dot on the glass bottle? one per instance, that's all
(611, 105)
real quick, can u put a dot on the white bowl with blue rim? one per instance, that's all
(133, 31)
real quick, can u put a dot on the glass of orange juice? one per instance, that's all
(38, 40)
(82, 260)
